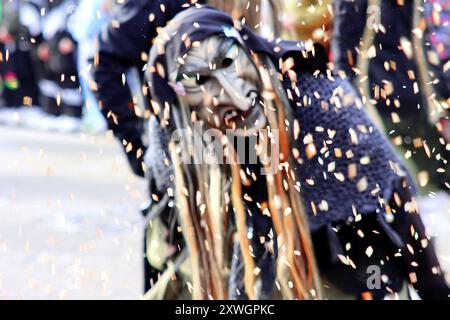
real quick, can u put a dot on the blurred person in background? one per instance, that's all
(246, 11)
(54, 60)
(307, 20)
(17, 79)
(89, 18)
(9, 23)
(432, 39)
(385, 29)
(261, 16)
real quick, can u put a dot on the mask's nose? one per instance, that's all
(233, 88)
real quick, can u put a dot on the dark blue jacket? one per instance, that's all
(348, 27)
(122, 45)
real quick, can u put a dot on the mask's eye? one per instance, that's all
(226, 63)
(193, 80)
(202, 79)
(188, 80)
(231, 54)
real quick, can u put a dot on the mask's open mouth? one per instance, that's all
(233, 118)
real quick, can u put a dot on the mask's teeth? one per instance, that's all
(253, 95)
(230, 115)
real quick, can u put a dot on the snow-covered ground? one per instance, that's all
(70, 225)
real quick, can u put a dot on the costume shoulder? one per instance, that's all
(307, 58)
(124, 36)
(134, 26)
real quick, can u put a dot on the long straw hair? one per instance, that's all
(296, 267)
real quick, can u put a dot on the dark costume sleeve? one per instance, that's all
(348, 28)
(122, 46)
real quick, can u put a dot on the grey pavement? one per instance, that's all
(70, 226)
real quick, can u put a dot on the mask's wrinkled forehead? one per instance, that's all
(205, 56)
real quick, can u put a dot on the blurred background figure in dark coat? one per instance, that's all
(386, 68)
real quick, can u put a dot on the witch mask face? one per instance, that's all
(222, 85)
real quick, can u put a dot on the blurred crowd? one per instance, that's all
(47, 49)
